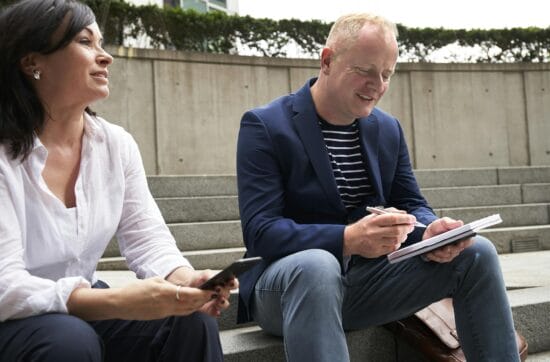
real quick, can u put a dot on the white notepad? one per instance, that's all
(464, 232)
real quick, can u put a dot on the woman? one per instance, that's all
(69, 181)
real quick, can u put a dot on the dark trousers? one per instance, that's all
(59, 337)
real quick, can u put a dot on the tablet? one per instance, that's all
(232, 271)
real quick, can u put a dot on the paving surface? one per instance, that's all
(525, 270)
(539, 357)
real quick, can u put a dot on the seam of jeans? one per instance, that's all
(477, 347)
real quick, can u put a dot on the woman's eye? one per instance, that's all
(85, 41)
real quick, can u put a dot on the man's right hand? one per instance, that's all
(377, 235)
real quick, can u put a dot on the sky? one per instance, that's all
(457, 14)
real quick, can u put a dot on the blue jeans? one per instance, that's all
(305, 298)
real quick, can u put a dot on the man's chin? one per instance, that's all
(365, 112)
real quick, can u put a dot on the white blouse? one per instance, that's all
(47, 250)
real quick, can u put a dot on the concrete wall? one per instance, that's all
(184, 108)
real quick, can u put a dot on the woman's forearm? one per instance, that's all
(94, 304)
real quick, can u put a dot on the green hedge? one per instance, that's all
(494, 45)
(217, 32)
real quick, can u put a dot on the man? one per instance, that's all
(308, 164)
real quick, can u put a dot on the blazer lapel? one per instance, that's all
(305, 121)
(370, 142)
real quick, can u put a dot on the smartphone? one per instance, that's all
(232, 271)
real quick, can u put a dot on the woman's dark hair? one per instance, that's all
(29, 26)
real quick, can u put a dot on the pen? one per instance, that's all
(379, 211)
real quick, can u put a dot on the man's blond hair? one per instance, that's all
(345, 30)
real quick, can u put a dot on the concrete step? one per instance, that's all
(514, 282)
(456, 177)
(193, 185)
(523, 175)
(530, 307)
(198, 236)
(487, 195)
(512, 215)
(526, 270)
(539, 357)
(211, 185)
(202, 212)
(200, 259)
(214, 259)
(482, 176)
(533, 193)
(520, 270)
(227, 234)
(252, 344)
(519, 238)
(223, 208)
(473, 196)
(207, 235)
(195, 209)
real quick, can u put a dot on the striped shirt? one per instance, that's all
(344, 151)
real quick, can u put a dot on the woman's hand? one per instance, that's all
(147, 299)
(194, 278)
(153, 298)
(157, 298)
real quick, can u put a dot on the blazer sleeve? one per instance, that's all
(405, 193)
(261, 186)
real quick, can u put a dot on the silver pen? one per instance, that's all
(379, 211)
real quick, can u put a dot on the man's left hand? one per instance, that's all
(446, 253)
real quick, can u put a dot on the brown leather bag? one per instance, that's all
(432, 332)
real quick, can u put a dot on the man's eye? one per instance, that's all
(362, 72)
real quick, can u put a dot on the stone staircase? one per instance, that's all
(202, 214)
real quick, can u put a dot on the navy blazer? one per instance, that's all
(288, 198)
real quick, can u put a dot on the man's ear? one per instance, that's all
(327, 56)
(28, 64)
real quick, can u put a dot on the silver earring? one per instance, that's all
(36, 74)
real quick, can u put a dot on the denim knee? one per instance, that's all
(482, 248)
(483, 255)
(318, 269)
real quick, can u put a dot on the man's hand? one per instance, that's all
(377, 235)
(448, 252)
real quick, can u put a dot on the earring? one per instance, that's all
(36, 74)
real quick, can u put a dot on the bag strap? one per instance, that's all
(440, 318)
